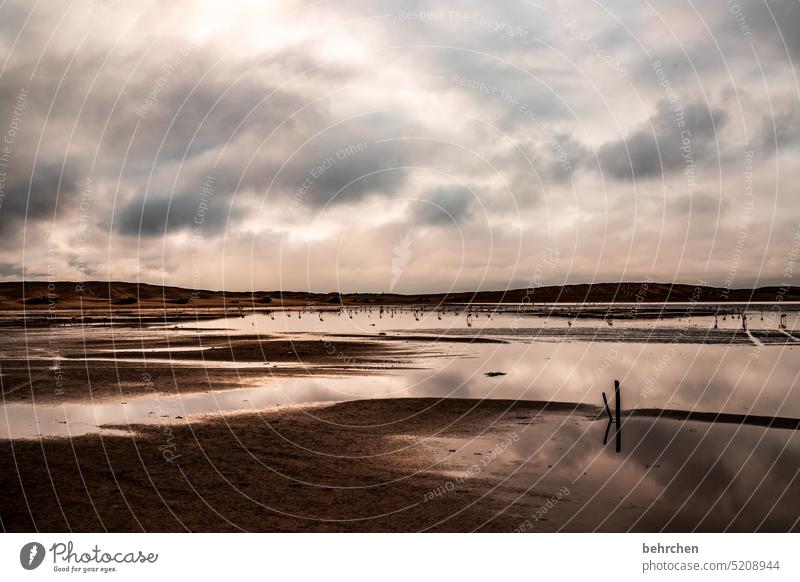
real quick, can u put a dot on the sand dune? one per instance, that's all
(36, 295)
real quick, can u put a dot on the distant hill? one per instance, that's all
(121, 295)
(645, 292)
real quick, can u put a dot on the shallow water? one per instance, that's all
(670, 475)
(80, 418)
(675, 370)
(370, 320)
(666, 363)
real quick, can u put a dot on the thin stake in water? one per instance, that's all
(616, 418)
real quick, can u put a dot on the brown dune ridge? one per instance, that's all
(37, 295)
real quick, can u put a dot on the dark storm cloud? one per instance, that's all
(311, 165)
(162, 102)
(160, 214)
(32, 195)
(447, 205)
(166, 123)
(774, 23)
(10, 270)
(669, 141)
(348, 163)
(191, 114)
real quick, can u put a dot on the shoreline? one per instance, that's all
(407, 464)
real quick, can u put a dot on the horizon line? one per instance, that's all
(403, 294)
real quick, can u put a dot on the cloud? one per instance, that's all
(774, 23)
(497, 119)
(350, 160)
(674, 137)
(160, 214)
(32, 196)
(700, 206)
(10, 270)
(782, 130)
(447, 205)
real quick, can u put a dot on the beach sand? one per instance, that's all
(101, 367)
(372, 465)
(404, 465)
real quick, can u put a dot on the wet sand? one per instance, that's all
(356, 466)
(397, 465)
(184, 362)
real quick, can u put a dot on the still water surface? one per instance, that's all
(677, 363)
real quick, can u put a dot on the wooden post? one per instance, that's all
(618, 409)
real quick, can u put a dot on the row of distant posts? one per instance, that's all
(615, 419)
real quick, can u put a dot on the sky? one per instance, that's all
(417, 146)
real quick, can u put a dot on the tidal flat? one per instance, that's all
(399, 418)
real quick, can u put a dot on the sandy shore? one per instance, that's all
(375, 465)
(112, 365)
(404, 465)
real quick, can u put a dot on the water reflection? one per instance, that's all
(371, 320)
(27, 421)
(671, 476)
(689, 476)
(738, 379)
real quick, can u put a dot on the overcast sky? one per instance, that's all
(406, 146)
